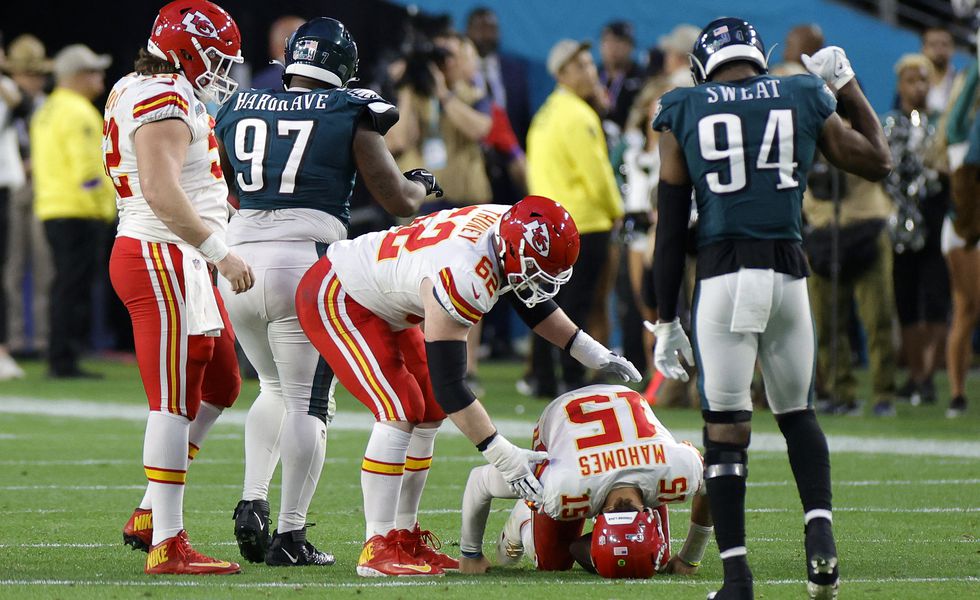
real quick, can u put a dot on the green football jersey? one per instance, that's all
(749, 145)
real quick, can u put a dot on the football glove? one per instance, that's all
(514, 465)
(594, 355)
(831, 65)
(427, 179)
(671, 339)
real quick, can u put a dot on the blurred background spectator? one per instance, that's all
(619, 74)
(920, 277)
(28, 274)
(11, 180)
(937, 46)
(74, 198)
(568, 160)
(270, 76)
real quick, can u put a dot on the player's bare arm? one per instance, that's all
(396, 194)
(161, 148)
(862, 148)
(445, 346)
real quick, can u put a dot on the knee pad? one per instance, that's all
(725, 460)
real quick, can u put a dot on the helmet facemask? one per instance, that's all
(215, 83)
(532, 285)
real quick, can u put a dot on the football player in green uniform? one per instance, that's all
(743, 141)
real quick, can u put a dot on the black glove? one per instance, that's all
(425, 178)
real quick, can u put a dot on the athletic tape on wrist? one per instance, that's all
(213, 249)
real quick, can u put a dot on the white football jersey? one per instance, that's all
(383, 270)
(139, 99)
(604, 437)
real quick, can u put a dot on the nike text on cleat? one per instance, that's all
(424, 545)
(175, 556)
(252, 529)
(290, 549)
(387, 556)
(138, 530)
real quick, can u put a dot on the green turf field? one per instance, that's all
(907, 503)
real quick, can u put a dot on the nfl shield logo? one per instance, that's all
(305, 50)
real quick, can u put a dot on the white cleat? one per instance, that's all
(510, 546)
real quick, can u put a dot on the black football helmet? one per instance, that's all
(724, 40)
(322, 49)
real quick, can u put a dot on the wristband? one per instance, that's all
(571, 340)
(697, 540)
(213, 249)
(482, 446)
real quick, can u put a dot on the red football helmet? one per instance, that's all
(201, 39)
(537, 243)
(628, 545)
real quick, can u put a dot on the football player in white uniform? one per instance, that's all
(293, 154)
(361, 304)
(163, 158)
(611, 459)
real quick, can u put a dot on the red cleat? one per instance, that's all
(424, 545)
(138, 531)
(175, 556)
(390, 556)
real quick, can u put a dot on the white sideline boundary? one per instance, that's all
(459, 581)
(362, 421)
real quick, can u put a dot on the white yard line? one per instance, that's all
(454, 581)
(362, 421)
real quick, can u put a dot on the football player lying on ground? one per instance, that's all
(361, 305)
(609, 458)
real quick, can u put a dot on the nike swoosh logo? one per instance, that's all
(222, 564)
(416, 568)
(259, 519)
(476, 294)
(291, 557)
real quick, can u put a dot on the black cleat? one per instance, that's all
(731, 590)
(252, 529)
(291, 549)
(823, 577)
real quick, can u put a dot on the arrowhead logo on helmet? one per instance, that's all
(196, 23)
(536, 234)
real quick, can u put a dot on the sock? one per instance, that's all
(302, 460)
(725, 474)
(200, 426)
(165, 464)
(808, 457)
(146, 503)
(381, 477)
(263, 427)
(527, 535)
(416, 471)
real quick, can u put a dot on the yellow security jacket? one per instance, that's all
(567, 161)
(66, 159)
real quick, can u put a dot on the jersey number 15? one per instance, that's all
(777, 139)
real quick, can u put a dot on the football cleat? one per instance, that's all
(252, 529)
(291, 549)
(510, 546)
(424, 545)
(138, 530)
(823, 577)
(733, 591)
(386, 556)
(175, 556)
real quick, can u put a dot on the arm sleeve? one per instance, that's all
(587, 151)
(485, 484)
(673, 212)
(533, 316)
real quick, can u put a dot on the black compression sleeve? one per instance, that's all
(447, 370)
(533, 316)
(673, 213)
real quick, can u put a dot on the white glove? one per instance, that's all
(594, 355)
(671, 339)
(831, 65)
(513, 464)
